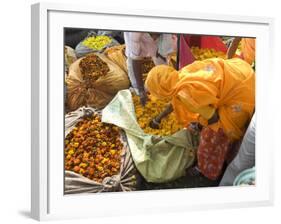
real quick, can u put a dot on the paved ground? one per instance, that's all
(188, 181)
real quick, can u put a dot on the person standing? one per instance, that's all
(140, 46)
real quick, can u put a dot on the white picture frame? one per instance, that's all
(48, 201)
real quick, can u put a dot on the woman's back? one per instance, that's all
(203, 87)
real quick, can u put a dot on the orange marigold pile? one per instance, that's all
(92, 68)
(93, 149)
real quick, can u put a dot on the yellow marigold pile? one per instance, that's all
(97, 42)
(147, 65)
(169, 125)
(205, 53)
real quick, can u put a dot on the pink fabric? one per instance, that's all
(187, 41)
(185, 54)
(140, 45)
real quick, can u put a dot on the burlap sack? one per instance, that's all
(76, 183)
(69, 57)
(102, 90)
(117, 55)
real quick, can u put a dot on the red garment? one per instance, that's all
(213, 42)
(212, 152)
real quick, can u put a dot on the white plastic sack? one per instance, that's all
(76, 183)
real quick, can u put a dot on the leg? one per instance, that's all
(131, 73)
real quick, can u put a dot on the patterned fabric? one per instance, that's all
(212, 152)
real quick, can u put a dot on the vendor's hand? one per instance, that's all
(154, 124)
(195, 127)
(143, 98)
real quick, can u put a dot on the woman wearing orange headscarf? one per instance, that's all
(219, 94)
(248, 49)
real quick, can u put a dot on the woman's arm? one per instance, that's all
(155, 123)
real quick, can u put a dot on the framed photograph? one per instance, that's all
(148, 111)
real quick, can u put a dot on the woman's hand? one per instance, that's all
(195, 127)
(155, 123)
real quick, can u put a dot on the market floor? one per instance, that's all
(187, 181)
